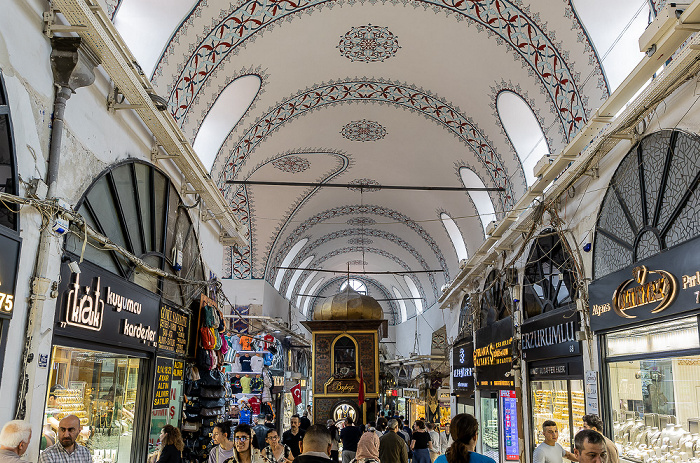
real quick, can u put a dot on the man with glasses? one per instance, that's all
(292, 437)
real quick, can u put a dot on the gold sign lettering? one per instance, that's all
(493, 354)
(662, 290)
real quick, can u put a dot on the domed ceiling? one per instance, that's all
(370, 93)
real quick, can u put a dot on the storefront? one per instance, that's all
(10, 244)
(495, 391)
(463, 376)
(554, 366)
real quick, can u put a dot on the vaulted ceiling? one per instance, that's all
(370, 92)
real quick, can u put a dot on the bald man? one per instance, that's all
(67, 450)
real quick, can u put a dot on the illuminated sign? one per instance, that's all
(164, 376)
(493, 355)
(496, 353)
(409, 393)
(463, 368)
(84, 307)
(662, 290)
(510, 425)
(343, 411)
(8, 274)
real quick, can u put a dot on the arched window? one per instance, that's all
(401, 302)
(229, 108)
(305, 285)
(136, 206)
(344, 358)
(481, 199)
(524, 131)
(295, 276)
(310, 300)
(288, 260)
(417, 300)
(8, 161)
(455, 236)
(495, 300)
(355, 284)
(651, 203)
(466, 317)
(549, 276)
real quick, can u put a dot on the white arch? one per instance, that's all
(288, 260)
(455, 236)
(402, 304)
(524, 131)
(309, 299)
(296, 275)
(304, 286)
(415, 294)
(228, 109)
(481, 199)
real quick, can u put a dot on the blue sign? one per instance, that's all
(510, 425)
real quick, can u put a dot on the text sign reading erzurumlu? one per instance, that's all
(172, 330)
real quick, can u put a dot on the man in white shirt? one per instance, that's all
(436, 451)
(550, 451)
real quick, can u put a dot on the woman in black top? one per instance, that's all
(420, 443)
(171, 445)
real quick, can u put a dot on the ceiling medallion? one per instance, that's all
(364, 185)
(368, 44)
(360, 241)
(363, 130)
(361, 221)
(292, 164)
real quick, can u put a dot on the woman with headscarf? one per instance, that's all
(464, 430)
(367, 449)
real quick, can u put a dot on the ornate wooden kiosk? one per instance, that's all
(346, 331)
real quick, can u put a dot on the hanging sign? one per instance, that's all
(164, 377)
(96, 304)
(665, 284)
(551, 336)
(409, 393)
(173, 327)
(493, 355)
(9, 262)
(463, 368)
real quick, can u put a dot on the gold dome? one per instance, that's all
(349, 305)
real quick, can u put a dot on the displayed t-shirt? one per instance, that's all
(545, 453)
(236, 363)
(246, 343)
(256, 363)
(267, 359)
(256, 384)
(236, 387)
(245, 360)
(254, 403)
(235, 343)
(269, 340)
(245, 384)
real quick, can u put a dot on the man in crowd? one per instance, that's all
(350, 435)
(392, 447)
(304, 421)
(292, 437)
(589, 447)
(260, 432)
(316, 445)
(268, 421)
(14, 440)
(550, 451)
(403, 435)
(595, 423)
(67, 450)
(436, 451)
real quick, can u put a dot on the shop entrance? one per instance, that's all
(489, 425)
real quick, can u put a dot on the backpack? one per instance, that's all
(209, 317)
(206, 338)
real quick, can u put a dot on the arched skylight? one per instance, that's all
(524, 131)
(401, 302)
(305, 285)
(355, 284)
(296, 275)
(614, 28)
(228, 109)
(481, 199)
(309, 299)
(455, 236)
(147, 25)
(288, 260)
(415, 294)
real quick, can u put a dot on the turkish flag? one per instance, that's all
(361, 394)
(296, 393)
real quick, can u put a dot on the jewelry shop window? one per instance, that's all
(344, 356)
(100, 389)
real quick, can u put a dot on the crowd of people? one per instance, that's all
(388, 440)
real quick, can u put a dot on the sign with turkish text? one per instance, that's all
(164, 377)
(551, 336)
(9, 262)
(665, 284)
(511, 445)
(97, 305)
(493, 356)
(173, 327)
(463, 368)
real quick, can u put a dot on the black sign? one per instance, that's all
(551, 336)
(100, 306)
(493, 356)
(164, 377)
(665, 284)
(558, 369)
(463, 368)
(8, 274)
(173, 327)
(178, 370)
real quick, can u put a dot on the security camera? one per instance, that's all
(588, 242)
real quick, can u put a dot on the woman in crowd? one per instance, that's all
(420, 443)
(463, 430)
(335, 439)
(171, 445)
(367, 449)
(243, 451)
(221, 437)
(276, 452)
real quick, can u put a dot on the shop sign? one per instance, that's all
(343, 411)
(8, 274)
(551, 337)
(510, 425)
(173, 326)
(277, 381)
(444, 396)
(164, 377)
(409, 393)
(493, 355)
(343, 386)
(463, 368)
(102, 307)
(664, 284)
(592, 392)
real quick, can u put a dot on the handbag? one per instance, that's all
(212, 392)
(207, 412)
(211, 403)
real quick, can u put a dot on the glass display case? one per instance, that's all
(100, 389)
(561, 401)
(490, 444)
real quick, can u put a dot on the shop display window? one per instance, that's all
(489, 426)
(561, 401)
(100, 389)
(344, 356)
